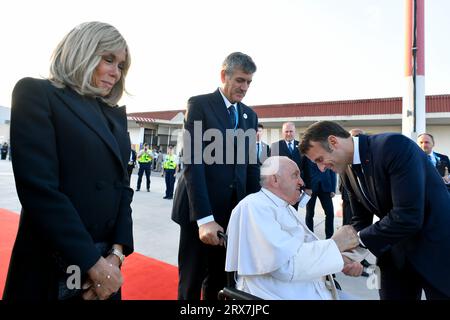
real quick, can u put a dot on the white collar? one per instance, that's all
(356, 156)
(225, 99)
(276, 199)
(434, 155)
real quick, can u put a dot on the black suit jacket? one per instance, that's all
(72, 182)
(133, 159)
(207, 188)
(314, 178)
(442, 163)
(281, 149)
(412, 203)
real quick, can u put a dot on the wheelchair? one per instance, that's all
(230, 292)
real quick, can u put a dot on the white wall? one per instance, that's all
(136, 135)
(441, 134)
(4, 133)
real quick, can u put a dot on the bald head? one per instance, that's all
(426, 142)
(288, 131)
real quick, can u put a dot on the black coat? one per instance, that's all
(71, 179)
(280, 148)
(206, 189)
(132, 163)
(317, 180)
(412, 203)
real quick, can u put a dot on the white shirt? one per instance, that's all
(275, 255)
(226, 101)
(357, 160)
(356, 156)
(434, 158)
(292, 142)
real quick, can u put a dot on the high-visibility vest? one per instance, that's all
(145, 158)
(169, 162)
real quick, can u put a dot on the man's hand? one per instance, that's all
(208, 233)
(104, 279)
(346, 238)
(352, 268)
(332, 194)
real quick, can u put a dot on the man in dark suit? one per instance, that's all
(389, 176)
(262, 149)
(439, 161)
(216, 177)
(288, 146)
(320, 185)
(346, 208)
(131, 164)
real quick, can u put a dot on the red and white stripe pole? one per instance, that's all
(413, 114)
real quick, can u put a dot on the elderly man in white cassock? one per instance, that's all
(274, 253)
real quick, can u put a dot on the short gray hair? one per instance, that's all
(238, 60)
(78, 54)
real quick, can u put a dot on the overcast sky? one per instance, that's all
(305, 50)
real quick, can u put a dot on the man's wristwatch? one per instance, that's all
(118, 254)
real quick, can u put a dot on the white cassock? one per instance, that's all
(275, 255)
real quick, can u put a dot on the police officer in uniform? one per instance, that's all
(170, 169)
(145, 161)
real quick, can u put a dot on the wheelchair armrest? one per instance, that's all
(235, 294)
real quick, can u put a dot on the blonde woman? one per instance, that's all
(71, 150)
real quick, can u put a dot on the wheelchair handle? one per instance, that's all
(222, 235)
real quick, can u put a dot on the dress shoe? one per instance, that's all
(138, 190)
(148, 190)
(165, 197)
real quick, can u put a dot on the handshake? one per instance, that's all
(347, 241)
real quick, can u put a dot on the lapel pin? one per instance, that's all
(245, 116)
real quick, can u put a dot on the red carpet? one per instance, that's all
(144, 278)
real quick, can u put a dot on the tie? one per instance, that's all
(431, 159)
(258, 151)
(232, 112)
(291, 149)
(357, 169)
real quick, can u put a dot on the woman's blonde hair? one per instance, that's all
(78, 54)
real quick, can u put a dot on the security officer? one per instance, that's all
(145, 161)
(170, 169)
